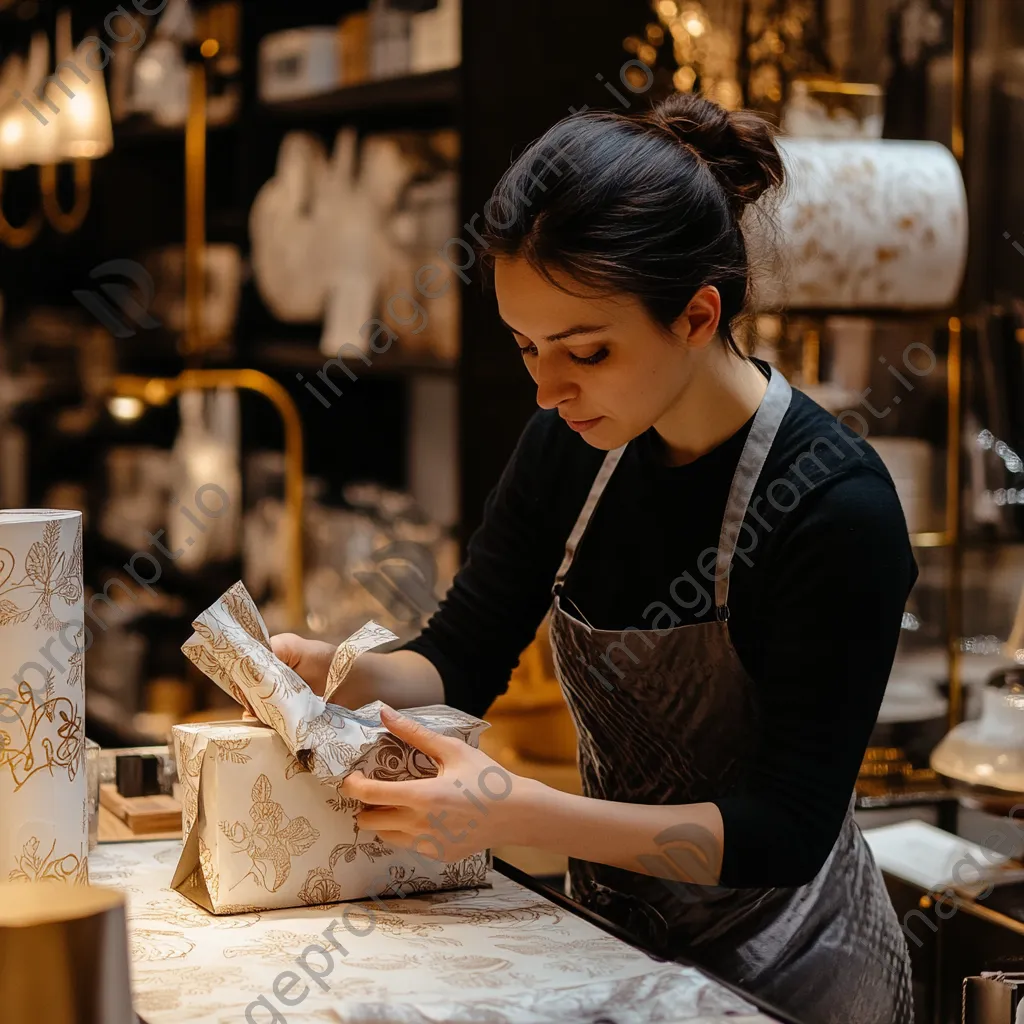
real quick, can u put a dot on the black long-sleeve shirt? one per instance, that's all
(815, 616)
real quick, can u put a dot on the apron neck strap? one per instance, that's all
(611, 460)
(763, 432)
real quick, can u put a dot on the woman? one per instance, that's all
(728, 565)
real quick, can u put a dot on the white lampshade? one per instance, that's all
(863, 223)
(27, 137)
(83, 123)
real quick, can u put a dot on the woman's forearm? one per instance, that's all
(679, 842)
(403, 679)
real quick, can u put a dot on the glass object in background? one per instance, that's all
(390, 30)
(984, 758)
(435, 38)
(138, 481)
(92, 773)
(429, 212)
(824, 109)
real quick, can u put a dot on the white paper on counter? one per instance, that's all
(929, 857)
(501, 955)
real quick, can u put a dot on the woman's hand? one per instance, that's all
(472, 804)
(309, 658)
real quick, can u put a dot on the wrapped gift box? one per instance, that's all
(263, 818)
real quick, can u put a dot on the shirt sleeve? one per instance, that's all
(833, 608)
(503, 590)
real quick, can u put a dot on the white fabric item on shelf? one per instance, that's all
(287, 237)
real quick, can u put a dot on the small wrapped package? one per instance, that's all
(264, 823)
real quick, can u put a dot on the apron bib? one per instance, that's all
(677, 727)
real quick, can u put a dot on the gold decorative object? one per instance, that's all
(63, 955)
(160, 390)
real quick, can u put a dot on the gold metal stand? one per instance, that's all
(160, 390)
(71, 221)
(954, 382)
(195, 211)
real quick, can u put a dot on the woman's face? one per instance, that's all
(602, 362)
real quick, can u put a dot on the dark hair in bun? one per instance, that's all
(648, 205)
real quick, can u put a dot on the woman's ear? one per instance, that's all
(698, 323)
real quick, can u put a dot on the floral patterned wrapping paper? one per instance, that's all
(44, 816)
(264, 822)
(500, 955)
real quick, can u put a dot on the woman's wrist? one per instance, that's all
(529, 812)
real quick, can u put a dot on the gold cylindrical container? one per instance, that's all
(63, 955)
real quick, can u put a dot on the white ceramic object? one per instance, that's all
(44, 818)
(988, 751)
(874, 223)
(285, 234)
(359, 197)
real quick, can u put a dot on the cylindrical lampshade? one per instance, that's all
(868, 223)
(44, 820)
(64, 955)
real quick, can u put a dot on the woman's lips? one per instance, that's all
(583, 425)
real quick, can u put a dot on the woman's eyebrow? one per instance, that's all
(569, 332)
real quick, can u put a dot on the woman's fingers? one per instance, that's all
(376, 791)
(396, 819)
(416, 735)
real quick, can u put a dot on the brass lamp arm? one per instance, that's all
(160, 390)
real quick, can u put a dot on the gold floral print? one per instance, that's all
(396, 760)
(373, 849)
(465, 873)
(231, 750)
(71, 867)
(31, 746)
(240, 605)
(49, 573)
(320, 888)
(270, 841)
(206, 864)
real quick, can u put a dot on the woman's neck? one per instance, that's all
(724, 392)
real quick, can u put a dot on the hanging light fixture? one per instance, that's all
(52, 119)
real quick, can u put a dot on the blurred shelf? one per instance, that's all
(140, 129)
(433, 89)
(285, 355)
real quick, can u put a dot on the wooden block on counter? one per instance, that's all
(142, 814)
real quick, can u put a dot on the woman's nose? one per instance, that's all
(553, 389)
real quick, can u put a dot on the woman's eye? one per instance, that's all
(527, 350)
(590, 360)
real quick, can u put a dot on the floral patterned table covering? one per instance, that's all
(497, 955)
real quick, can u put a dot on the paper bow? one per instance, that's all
(231, 645)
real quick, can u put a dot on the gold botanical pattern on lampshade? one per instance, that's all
(33, 866)
(45, 736)
(47, 573)
(44, 823)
